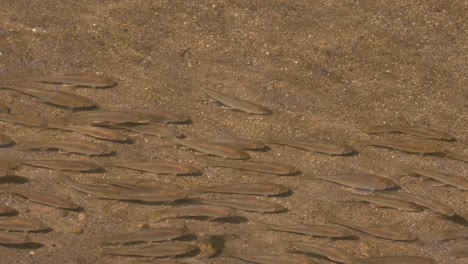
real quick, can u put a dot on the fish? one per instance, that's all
(8, 238)
(64, 165)
(424, 201)
(241, 143)
(399, 259)
(158, 116)
(455, 156)
(359, 181)
(247, 204)
(156, 234)
(151, 130)
(270, 259)
(418, 131)
(153, 186)
(93, 131)
(257, 166)
(79, 80)
(445, 235)
(21, 224)
(41, 198)
(388, 202)
(5, 140)
(211, 212)
(374, 230)
(416, 147)
(5, 209)
(330, 231)
(322, 147)
(212, 149)
(103, 117)
(260, 188)
(24, 120)
(452, 180)
(55, 97)
(236, 103)
(326, 251)
(116, 193)
(67, 146)
(156, 167)
(160, 250)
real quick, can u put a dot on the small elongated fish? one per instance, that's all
(401, 259)
(359, 181)
(79, 80)
(271, 259)
(212, 149)
(389, 202)
(418, 131)
(460, 252)
(116, 193)
(457, 182)
(67, 146)
(329, 252)
(241, 143)
(23, 120)
(14, 238)
(21, 224)
(160, 250)
(65, 165)
(374, 230)
(455, 156)
(403, 145)
(211, 212)
(429, 203)
(247, 204)
(5, 140)
(93, 131)
(156, 167)
(103, 117)
(236, 103)
(323, 147)
(41, 198)
(258, 166)
(159, 116)
(156, 234)
(461, 233)
(152, 130)
(260, 188)
(152, 186)
(5, 209)
(330, 231)
(55, 97)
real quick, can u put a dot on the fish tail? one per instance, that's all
(214, 163)
(199, 189)
(379, 129)
(107, 164)
(403, 168)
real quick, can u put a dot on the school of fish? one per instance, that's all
(168, 201)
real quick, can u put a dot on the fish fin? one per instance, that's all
(226, 107)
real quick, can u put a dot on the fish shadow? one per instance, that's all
(282, 195)
(31, 245)
(13, 179)
(350, 154)
(457, 219)
(231, 220)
